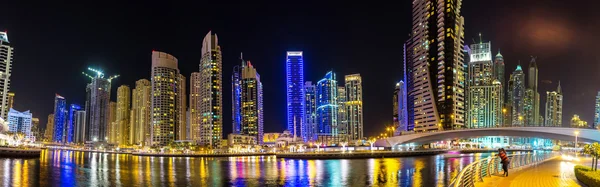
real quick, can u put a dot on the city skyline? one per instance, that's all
(317, 63)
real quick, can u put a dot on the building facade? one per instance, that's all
(123, 115)
(309, 124)
(484, 91)
(97, 107)
(60, 119)
(437, 66)
(165, 76)
(20, 122)
(251, 103)
(211, 106)
(194, 107)
(181, 103)
(11, 99)
(554, 106)
(400, 109)
(499, 71)
(236, 97)
(72, 126)
(6, 60)
(327, 109)
(516, 96)
(597, 112)
(295, 91)
(353, 119)
(532, 96)
(79, 124)
(49, 132)
(113, 127)
(141, 113)
(343, 128)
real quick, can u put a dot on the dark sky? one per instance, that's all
(55, 42)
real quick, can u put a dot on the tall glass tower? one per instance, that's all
(327, 109)
(211, 92)
(554, 105)
(484, 91)
(97, 107)
(516, 97)
(354, 106)
(236, 94)
(60, 119)
(295, 91)
(597, 112)
(72, 123)
(6, 53)
(437, 66)
(309, 123)
(165, 84)
(251, 103)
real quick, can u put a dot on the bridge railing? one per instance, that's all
(476, 171)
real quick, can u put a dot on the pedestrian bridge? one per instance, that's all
(555, 133)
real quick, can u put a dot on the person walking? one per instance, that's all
(504, 160)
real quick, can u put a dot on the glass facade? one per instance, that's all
(295, 91)
(72, 126)
(60, 119)
(327, 109)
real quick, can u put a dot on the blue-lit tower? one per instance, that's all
(295, 91)
(71, 124)
(60, 119)
(236, 94)
(327, 109)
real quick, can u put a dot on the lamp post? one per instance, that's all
(576, 134)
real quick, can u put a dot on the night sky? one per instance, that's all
(55, 42)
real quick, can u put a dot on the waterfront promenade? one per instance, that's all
(554, 172)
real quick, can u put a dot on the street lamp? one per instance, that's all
(576, 134)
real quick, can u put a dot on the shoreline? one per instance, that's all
(6, 152)
(201, 155)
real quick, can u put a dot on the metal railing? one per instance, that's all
(476, 171)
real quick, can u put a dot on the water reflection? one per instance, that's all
(69, 168)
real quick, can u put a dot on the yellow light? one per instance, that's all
(576, 133)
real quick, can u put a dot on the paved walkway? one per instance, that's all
(556, 172)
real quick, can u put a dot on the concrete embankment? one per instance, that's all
(347, 155)
(18, 152)
(490, 150)
(200, 155)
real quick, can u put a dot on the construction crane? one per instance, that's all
(99, 74)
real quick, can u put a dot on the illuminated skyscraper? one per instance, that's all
(252, 103)
(554, 101)
(181, 104)
(295, 91)
(309, 124)
(79, 123)
(409, 79)
(499, 70)
(49, 133)
(211, 107)
(597, 112)
(400, 109)
(165, 99)
(516, 96)
(113, 127)
(532, 97)
(236, 97)
(72, 124)
(141, 113)
(195, 101)
(484, 99)
(20, 122)
(354, 106)
(327, 109)
(6, 56)
(342, 112)
(437, 66)
(36, 129)
(123, 111)
(60, 119)
(97, 106)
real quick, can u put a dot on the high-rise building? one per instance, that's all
(195, 101)
(354, 106)
(597, 112)
(309, 124)
(20, 122)
(484, 91)
(60, 119)
(499, 70)
(295, 91)
(516, 96)
(11, 99)
(97, 106)
(437, 66)
(576, 122)
(113, 127)
(166, 101)
(181, 108)
(141, 113)
(342, 112)
(6, 56)
(211, 92)
(554, 102)
(72, 126)
(35, 129)
(79, 123)
(236, 97)
(327, 112)
(49, 133)
(400, 109)
(532, 97)
(252, 103)
(122, 118)
(409, 78)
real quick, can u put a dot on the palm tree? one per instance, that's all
(595, 149)
(587, 149)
